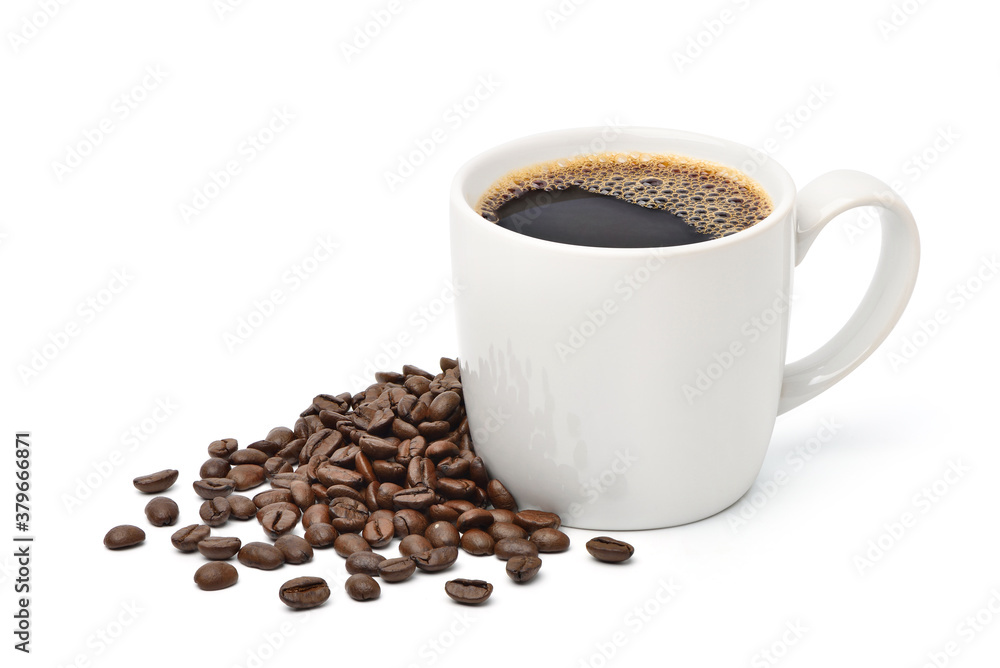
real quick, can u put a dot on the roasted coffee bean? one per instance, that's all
(441, 534)
(155, 483)
(214, 513)
(349, 543)
(302, 494)
(285, 480)
(416, 498)
(377, 448)
(461, 505)
(362, 587)
(421, 471)
(280, 435)
(303, 593)
(324, 442)
(162, 511)
(414, 544)
(219, 548)
(379, 532)
(477, 542)
(251, 457)
(290, 453)
(278, 519)
(384, 494)
(320, 492)
(330, 475)
(186, 539)
(500, 515)
(343, 491)
(515, 547)
(442, 513)
(477, 472)
(389, 471)
(396, 570)
(469, 592)
(363, 466)
(522, 568)
(550, 540)
(500, 530)
(452, 467)
(345, 457)
(328, 402)
(439, 450)
(365, 563)
(273, 507)
(240, 507)
(448, 363)
(247, 476)
(295, 549)
(346, 519)
(216, 575)
(451, 488)
(477, 518)
(533, 520)
(124, 535)
(348, 502)
(500, 497)
(264, 556)
(436, 560)
(443, 405)
(275, 465)
(272, 496)
(214, 467)
(321, 535)
(223, 448)
(317, 514)
(269, 448)
(610, 550)
(407, 522)
(209, 488)
(403, 429)
(433, 431)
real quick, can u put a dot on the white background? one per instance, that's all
(789, 556)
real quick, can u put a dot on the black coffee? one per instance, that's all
(619, 200)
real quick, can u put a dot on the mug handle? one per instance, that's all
(818, 203)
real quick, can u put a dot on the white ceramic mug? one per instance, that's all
(630, 388)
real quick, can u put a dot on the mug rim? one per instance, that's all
(782, 200)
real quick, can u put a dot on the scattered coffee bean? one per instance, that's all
(441, 534)
(414, 544)
(477, 542)
(187, 539)
(247, 476)
(515, 547)
(124, 535)
(209, 488)
(523, 569)
(220, 548)
(533, 520)
(305, 592)
(154, 483)
(610, 550)
(240, 507)
(409, 522)
(396, 570)
(264, 556)
(477, 518)
(362, 587)
(214, 467)
(502, 516)
(469, 592)
(349, 543)
(295, 549)
(378, 532)
(321, 535)
(500, 497)
(365, 563)
(500, 530)
(278, 519)
(216, 575)
(550, 540)
(223, 448)
(316, 514)
(214, 513)
(162, 511)
(436, 560)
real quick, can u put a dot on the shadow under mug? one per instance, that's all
(637, 388)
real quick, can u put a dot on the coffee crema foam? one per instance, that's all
(714, 199)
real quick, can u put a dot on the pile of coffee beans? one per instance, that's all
(357, 471)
